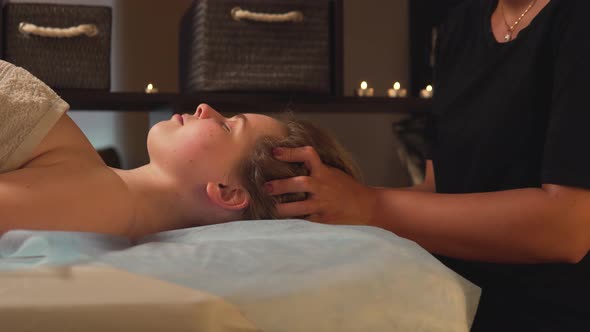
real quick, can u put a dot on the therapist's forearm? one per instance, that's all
(520, 225)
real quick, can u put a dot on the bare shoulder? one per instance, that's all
(65, 143)
(65, 196)
(65, 185)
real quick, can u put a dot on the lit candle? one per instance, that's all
(427, 93)
(397, 91)
(150, 89)
(364, 91)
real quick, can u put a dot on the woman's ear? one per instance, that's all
(228, 197)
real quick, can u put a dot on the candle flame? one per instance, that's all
(397, 86)
(364, 85)
(429, 88)
(150, 86)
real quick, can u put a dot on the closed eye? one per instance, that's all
(226, 127)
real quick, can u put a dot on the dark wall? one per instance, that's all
(1, 27)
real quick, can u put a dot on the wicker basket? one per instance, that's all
(222, 50)
(79, 61)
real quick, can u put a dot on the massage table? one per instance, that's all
(259, 275)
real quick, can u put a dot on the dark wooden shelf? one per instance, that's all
(95, 100)
(238, 102)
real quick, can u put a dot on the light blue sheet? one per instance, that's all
(22, 249)
(289, 275)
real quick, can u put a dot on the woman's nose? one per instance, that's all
(205, 111)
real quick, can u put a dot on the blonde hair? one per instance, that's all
(260, 166)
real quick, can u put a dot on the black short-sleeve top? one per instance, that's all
(515, 115)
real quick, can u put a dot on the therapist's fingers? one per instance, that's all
(299, 208)
(297, 184)
(305, 154)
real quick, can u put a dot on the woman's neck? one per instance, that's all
(159, 203)
(515, 6)
(508, 12)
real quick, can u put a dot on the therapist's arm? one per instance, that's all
(548, 224)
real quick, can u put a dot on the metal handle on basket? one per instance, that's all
(238, 13)
(89, 30)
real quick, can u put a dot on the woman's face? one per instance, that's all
(205, 146)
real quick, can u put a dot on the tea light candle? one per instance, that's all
(426, 93)
(364, 91)
(397, 91)
(150, 89)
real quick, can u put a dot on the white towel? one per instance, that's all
(28, 111)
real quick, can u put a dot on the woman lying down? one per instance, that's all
(204, 168)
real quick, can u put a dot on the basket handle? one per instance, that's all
(238, 13)
(89, 30)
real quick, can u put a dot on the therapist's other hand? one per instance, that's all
(334, 197)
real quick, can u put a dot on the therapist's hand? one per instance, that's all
(334, 196)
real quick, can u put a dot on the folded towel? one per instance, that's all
(28, 110)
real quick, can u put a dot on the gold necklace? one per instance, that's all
(508, 36)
